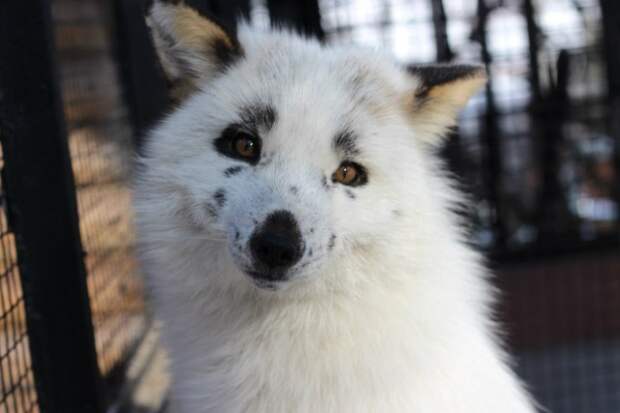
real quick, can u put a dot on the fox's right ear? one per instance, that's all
(442, 91)
(190, 47)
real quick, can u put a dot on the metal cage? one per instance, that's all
(539, 149)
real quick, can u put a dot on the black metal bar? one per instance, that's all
(611, 40)
(548, 110)
(490, 136)
(533, 40)
(452, 150)
(303, 15)
(228, 12)
(144, 83)
(554, 216)
(544, 143)
(611, 37)
(440, 23)
(43, 214)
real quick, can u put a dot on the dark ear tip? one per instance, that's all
(438, 74)
(478, 70)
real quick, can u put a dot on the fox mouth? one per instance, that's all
(262, 282)
(266, 280)
(267, 285)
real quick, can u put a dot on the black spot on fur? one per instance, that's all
(332, 242)
(220, 197)
(324, 182)
(211, 210)
(397, 213)
(350, 194)
(237, 235)
(310, 252)
(345, 141)
(294, 190)
(311, 230)
(233, 170)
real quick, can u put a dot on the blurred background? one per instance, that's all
(539, 149)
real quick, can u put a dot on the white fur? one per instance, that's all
(395, 318)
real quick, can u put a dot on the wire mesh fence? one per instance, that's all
(100, 143)
(17, 391)
(99, 140)
(564, 317)
(66, 231)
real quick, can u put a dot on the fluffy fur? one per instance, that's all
(388, 309)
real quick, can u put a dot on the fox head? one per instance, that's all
(284, 154)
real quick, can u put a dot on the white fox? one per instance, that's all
(297, 234)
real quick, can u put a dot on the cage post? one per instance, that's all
(533, 36)
(303, 15)
(548, 110)
(451, 149)
(611, 37)
(43, 214)
(227, 11)
(493, 171)
(440, 23)
(144, 85)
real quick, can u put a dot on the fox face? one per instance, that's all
(283, 153)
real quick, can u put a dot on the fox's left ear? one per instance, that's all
(442, 91)
(190, 46)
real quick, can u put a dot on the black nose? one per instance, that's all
(276, 245)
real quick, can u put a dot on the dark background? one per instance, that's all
(539, 149)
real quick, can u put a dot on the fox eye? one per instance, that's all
(239, 144)
(350, 174)
(245, 146)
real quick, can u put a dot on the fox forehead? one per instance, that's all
(299, 80)
(285, 55)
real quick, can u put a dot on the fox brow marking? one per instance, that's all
(345, 141)
(257, 116)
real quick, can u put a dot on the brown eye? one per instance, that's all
(350, 173)
(236, 143)
(245, 146)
